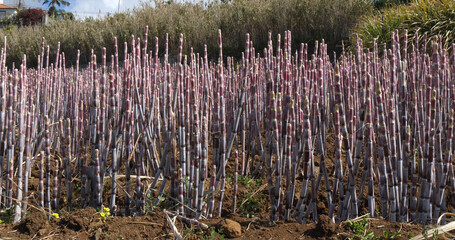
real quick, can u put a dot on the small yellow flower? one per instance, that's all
(55, 215)
(1, 221)
(105, 214)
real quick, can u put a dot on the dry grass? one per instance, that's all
(309, 20)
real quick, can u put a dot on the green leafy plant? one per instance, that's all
(229, 178)
(379, 4)
(77, 188)
(186, 182)
(359, 228)
(388, 235)
(214, 234)
(161, 200)
(149, 206)
(7, 216)
(193, 233)
(435, 234)
(250, 182)
(7, 21)
(53, 4)
(425, 232)
(426, 235)
(252, 205)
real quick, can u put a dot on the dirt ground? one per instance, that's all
(87, 224)
(252, 213)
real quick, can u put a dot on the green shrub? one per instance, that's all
(309, 20)
(379, 4)
(433, 17)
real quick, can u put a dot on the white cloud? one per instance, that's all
(91, 8)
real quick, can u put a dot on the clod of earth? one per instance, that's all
(326, 225)
(230, 228)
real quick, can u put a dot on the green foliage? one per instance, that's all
(7, 216)
(62, 15)
(360, 231)
(214, 234)
(388, 235)
(435, 18)
(77, 188)
(359, 228)
(230, 178)
(427, 236)
(252, 206)
(379, 4)
(186, 182)
(8, 20)
(435, 234)
(149, 203)
(27, 17)
(250, 182)
(194, 233)
(309, 20)
(53, 4)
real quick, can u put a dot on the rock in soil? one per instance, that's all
(231, 229)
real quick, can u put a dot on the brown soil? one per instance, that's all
(87, 224)
(252, 216)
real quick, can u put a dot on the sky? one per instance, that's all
(83, 8)
(92, 8)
